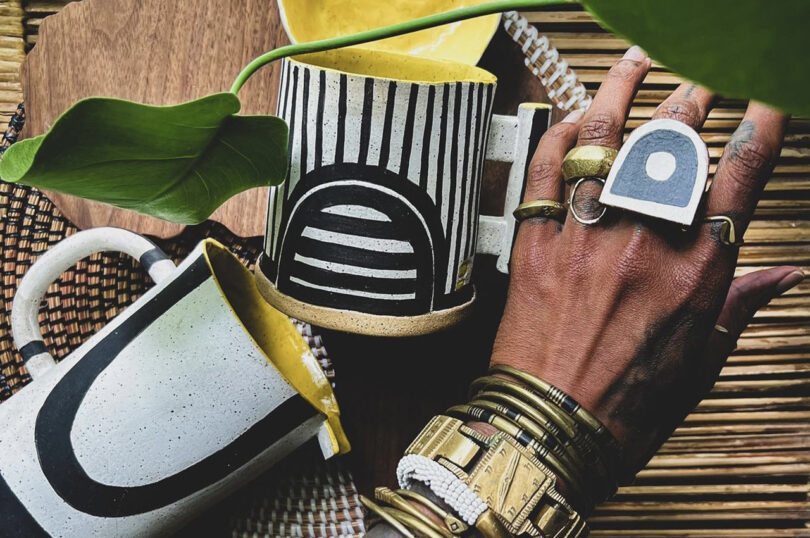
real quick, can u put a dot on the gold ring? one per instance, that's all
(549, 209)
(588, 161)
(728, 232)
(719, 328)
(574, 214)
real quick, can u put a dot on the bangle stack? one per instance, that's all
(561, 433)
(505, 483)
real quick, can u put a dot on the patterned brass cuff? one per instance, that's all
(588, 161)
(511, 481)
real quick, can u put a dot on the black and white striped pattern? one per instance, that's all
(427, 140)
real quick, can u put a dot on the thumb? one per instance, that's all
(746, 295)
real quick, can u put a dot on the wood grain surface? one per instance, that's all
(154, 52)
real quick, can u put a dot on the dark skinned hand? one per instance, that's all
(621, 314)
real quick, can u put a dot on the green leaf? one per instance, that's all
(178, 163)
(738, 48)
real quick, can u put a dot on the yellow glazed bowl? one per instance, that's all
(465, 41)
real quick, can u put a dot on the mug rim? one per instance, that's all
(309, 380)
(473, 74)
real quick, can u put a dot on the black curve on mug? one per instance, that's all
(55, 421)
(405, 225)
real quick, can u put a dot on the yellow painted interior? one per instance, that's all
(465, 41)
(276, 336)
(395, 66)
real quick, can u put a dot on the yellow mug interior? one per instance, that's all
(276, 336)
(464, 41)
(395, 66)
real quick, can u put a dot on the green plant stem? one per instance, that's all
(394, 30)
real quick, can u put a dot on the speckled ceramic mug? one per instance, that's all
(192, 391)
(377, 226)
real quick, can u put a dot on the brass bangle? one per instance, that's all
(575, 483)
(393, 499)
(604, 486)
(564, 422)
(385, 516)
(573, 447)
(578, 434)
(517, 487)
(564, 401)
(549, 209)
(412, 522)
(454, 524)
(490, 526)
(543, 437)
(588, 161)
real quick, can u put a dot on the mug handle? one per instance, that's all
(511, 139)
(47, 269)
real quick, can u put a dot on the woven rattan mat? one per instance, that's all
(739, 466)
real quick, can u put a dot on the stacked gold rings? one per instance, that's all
(583, 163)
(587, 163)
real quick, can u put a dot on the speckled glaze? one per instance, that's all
(167, 409)
(376, 229)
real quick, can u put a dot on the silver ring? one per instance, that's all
(572, 209)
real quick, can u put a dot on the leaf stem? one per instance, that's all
(393, 30)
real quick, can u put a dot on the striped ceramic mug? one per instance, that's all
(194, 390)
(376, 228)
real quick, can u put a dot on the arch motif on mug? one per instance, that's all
(360, 235)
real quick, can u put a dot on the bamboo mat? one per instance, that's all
(740, 464)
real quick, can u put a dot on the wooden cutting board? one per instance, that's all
(154, 52)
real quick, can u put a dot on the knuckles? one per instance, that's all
(684, 111)
(747, 163)
(542, 169)
(601, 128)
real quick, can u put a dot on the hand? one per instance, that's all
(621, 314)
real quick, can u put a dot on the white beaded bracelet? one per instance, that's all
(467, 505)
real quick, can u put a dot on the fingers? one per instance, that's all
(545, 176)
(746, 164)
(604, 122)
(689, 104)
(746, 296)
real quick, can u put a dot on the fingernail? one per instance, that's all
(635, 53)
(789, 281)
(573, 117)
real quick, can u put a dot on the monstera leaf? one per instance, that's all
(177, 163)
(739, 48)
